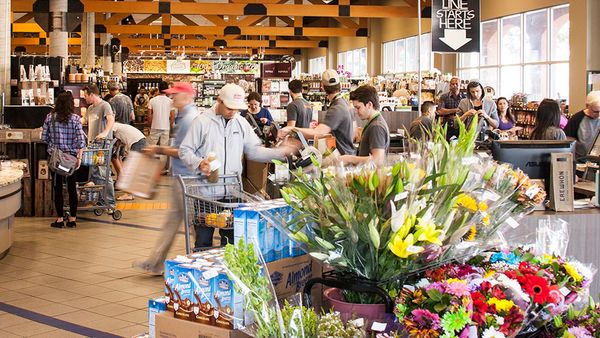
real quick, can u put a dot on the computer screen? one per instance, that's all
(533, 157)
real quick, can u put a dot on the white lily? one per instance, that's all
(398, 217)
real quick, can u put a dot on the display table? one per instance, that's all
(10, 199)
(584, 243)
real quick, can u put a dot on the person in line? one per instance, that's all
(421, 127)
(183, 100)
(547, 125)
(222, 131)
(477, 104)
(375, 139)
(261, 115)
(506, 119)
(584, 125)
(338, 120)
(153, 93)
(100, 119)
(161, 116)
(299, 111)
(564, 107)
(63, 130)
(141, 103)
(448, 107)
(121, 104)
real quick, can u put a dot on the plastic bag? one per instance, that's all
(552, 237)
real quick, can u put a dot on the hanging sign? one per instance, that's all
(201, 66)
(455, 26)
(236, 67)
(277, 70)
(178, 66)
(155, 66)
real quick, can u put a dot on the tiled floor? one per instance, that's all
(83, 276)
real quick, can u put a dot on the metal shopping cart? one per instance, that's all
(91, 196)
(210, 204)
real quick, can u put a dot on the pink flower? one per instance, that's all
(426, 319)
(458, 289)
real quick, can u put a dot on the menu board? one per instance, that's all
(178, 66)
(201, 66)
(155, 66)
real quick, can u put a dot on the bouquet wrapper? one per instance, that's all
(552, 237)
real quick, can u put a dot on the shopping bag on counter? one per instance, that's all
(561, 182)
(140, 175)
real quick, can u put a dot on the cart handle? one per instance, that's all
(357, 287)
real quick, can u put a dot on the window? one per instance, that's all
(317, 65)
(297, 71)
(527, 52)
(354, 61)
(400, 56)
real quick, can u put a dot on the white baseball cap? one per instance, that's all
(330, 78)
(232, 96)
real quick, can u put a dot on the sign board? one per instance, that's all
(200, 66)
(455, 26)
(277, 70)
(178, 66)
(236, 67)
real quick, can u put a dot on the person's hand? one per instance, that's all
(204, 167)
(101, 136)
(78, 163)
(483, 114)
(291, 146)
(283, 132)
(264, 120)
(470, 112)
(151, 150)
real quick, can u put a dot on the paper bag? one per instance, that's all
(140, 175)
(561, 182)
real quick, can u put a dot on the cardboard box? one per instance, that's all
(561, 182)
(289, 275)
(255, 176)
(168, 326)
(140, 175)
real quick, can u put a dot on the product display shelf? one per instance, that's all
(526, 118)
(207, 91)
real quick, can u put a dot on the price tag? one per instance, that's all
(358, 322)
(415, 156)
(513, 224)
(378, 327)
(564, 291)
(490, 195)
(401, 196)
(532, 191)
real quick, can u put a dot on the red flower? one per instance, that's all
(513, 322)
(527, 268)
(480, 308)
(485, 286)
(498, 293)
(536, 287)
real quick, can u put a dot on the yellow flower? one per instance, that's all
(403, 248)
(455, 280)
(486, 219)
(428, 232)
(501, 304)
(573, 272)
(467, 202)
(489, 274)
(472, 233)
(482, 206)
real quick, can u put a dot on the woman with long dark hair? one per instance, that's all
(547, 125)
(63, 130)
(506, 119)
(477, 104)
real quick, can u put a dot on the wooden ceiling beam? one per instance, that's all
(21, 6)
(115, 18)
(215, 19)
(25, 18)
(210, 43)
(250, 20)
(149, 19)
(237, 9)
(29, 27)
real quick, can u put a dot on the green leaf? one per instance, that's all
(374, 234)
(324, 244)
(439, 307)
(435, 295)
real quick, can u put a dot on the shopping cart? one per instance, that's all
(92, 197)
(210, 204)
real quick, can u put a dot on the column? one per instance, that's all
(374, 47)
(578, 13)
(593, 36)
(59, 37)
(88, 40)
(105, 43)
(332, 51)
(5, 48)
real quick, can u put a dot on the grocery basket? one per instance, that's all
(93, 197)
(210, 204)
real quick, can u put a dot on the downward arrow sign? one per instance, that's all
(455, 38)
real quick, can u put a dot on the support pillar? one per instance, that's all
(88, 41)
(332, 60)
(59, 37)
(578, 34)
(374, 46)
(5, 47)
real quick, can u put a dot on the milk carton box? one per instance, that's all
(170, 280)
(239, 224)
(255, 230)
(183, 290)
(224, 298)
(204, 309)
(155, 306)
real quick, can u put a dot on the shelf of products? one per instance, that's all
(274, 93)
(207, 91)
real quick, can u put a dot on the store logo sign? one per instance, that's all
(455, 26)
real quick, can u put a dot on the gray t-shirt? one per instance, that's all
(339, 118)
(554, 134)
(123, 107)
(586, 134)
(376, 135)
(96, 119)
(419, 125)
(300, 111)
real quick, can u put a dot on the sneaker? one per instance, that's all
(147, 267)
(58, 224)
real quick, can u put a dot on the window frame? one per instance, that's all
(395, 64)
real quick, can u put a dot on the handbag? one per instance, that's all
(60, 162)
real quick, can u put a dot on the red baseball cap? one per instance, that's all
(181, 87)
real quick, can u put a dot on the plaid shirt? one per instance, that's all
(68, 137)
(450, 101)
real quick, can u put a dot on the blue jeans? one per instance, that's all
(98, 175)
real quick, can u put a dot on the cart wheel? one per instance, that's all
(117, 214)
(98, 212)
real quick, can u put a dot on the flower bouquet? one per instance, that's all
(584, 323)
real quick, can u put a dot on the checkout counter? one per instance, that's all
(10, 199)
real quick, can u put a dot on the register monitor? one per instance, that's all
(533, 157)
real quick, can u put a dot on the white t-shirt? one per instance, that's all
(161, 111)
(127, 134)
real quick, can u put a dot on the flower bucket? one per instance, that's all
(371, 312)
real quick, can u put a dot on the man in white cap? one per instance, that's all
(339, 119)
(223, 133)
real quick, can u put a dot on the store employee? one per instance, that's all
(375, 139)
(338, 119)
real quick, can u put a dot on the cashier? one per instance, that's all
(375, 139)
(261, 115)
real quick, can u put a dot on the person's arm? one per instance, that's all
(254, 150)
(442, 110)
(463, 110)
(45, 129)
(131, 110)
(149, 114)
(171, 118)
(292, 115)
(491, 118)
(377, 156)
(309, 134)
(110, 122)
(191, 142)
(269, 117)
